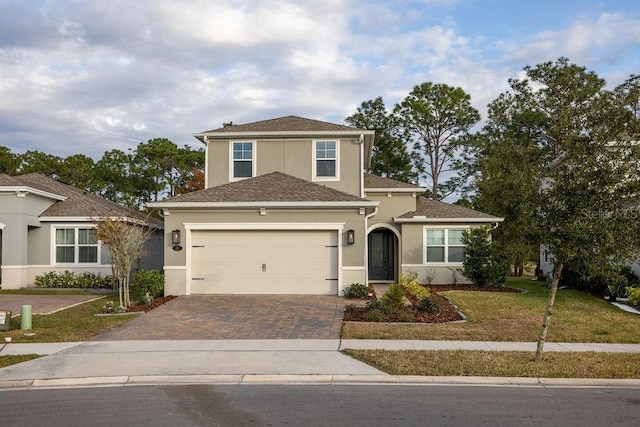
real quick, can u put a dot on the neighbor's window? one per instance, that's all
(444, 246)
(243, 161)
(326, 159)
(76, 246)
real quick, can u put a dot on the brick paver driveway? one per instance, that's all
(211, 317)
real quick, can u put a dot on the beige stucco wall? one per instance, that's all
(353, 256)
(287, 155)
(412, 260)
(391, 205)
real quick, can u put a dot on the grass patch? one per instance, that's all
(501, 363)
(493, 316)
(73, 324)
(12, 360)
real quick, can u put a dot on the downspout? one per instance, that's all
(206, 161)
(366, 245)
(361, 143)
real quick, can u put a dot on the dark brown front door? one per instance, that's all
(381, 255)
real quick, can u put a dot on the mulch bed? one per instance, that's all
(447, 313)
(148, 307)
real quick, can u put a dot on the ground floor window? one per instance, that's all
(444, 245)
(76, 246)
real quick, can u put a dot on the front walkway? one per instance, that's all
(223, 317)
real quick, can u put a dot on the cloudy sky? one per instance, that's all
(90, 76)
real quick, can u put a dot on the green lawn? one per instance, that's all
(501, 364)
(577, 317)
(73, 324)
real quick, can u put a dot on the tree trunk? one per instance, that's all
(547, 314)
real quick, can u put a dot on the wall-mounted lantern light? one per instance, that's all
(351, 237)
(175, 237)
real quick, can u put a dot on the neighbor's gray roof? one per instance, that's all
(374, 181)
(434, 209)
(78, 203)
(271, 187)
(285, 124)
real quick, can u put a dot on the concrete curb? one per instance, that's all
(139, 380)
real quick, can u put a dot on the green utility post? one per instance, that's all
(25, 317)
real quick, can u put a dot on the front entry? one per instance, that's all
(382, 255)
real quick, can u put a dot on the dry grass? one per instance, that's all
(73, 324)
(501, 364)
(577, 317)
(12, 360)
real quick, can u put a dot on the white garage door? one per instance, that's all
(264, 262)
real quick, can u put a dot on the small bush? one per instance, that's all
(356, 291)
(409, 284)
(484, 264)
(634, 295)
(149, 281)
(375, 315)
(393, 297)
(429, 305)
(67, 279)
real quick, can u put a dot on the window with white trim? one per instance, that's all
(444, 245)
(76, 246)
(242, 159)
(325, 160)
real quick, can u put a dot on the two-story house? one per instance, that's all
(289, 209)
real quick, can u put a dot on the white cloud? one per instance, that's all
(91, 76)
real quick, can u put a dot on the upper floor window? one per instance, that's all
(325, 161)
(242, 159)
(444, 246)
(76, 246)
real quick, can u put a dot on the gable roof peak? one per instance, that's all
(285, 124)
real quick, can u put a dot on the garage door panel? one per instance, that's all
(265, 262)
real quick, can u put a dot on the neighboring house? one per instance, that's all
(45, 225)
(289, 209)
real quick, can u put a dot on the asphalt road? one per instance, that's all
(320, 405)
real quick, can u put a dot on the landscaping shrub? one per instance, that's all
(393, 297)
(612, 280)
(429, 305)
(634, 296)
(356, 291)
(374, 315)
(149, 281)
(67, 279)
(483, 263)
(409, 284)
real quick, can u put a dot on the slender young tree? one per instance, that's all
(436, 117)
(124, 238)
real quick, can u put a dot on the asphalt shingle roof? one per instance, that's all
(285, 124)
(79, 203)
(271, 187)
(436, 209)
(374, 181)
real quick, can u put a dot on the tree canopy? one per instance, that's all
(154, 170)
(435, 117)
(390, 158)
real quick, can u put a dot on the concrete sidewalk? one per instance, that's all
(102, 363)
(308, 344)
